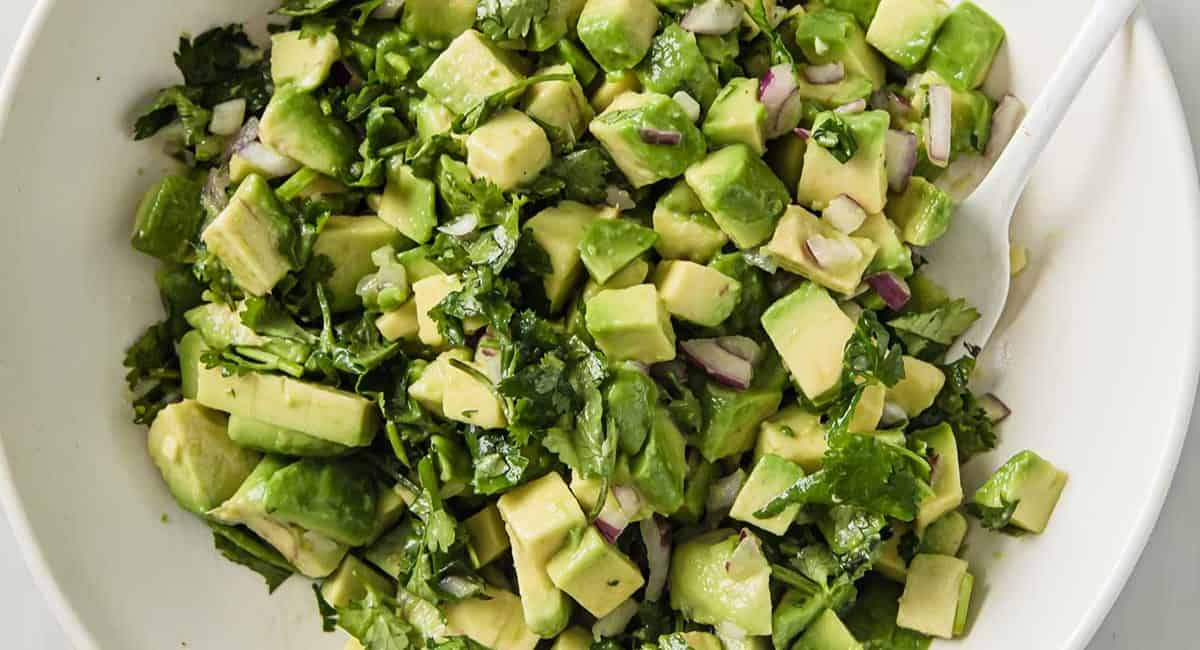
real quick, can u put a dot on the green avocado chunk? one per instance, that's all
(658, 471)
(863, 177)
(675, 63)
(437, 22)
(409, 202)
(272, 439)
(303, 60)
(609, 245)
(295, 126)
(582, 566)
(470, 70)
(741, 192)
(922, 212)
(200, 464)
(771, 476)
(190, 349)
(862, 10)
(903, 30)
(335, 498)
(618, 33)
(733, 416)
(631, 324)
(827, 35)
(168, 219)
(703, 590)
(685, 230)
(966, 46)
(810, 331)
(252, 237)
(627, 130)
(695, 491)
(944, 536)
(892, 254)
(347, 242)
(351, 581)
(827, 632)
(737, 116)
(932, 592)
(797, 235)
(1028, 481)
(696, 293)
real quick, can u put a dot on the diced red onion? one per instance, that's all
(656, 537)
(688, 104)
(901, 159)
(265, 159)
(844, 214)
(247, 135)
(723, 493)
(659, 136)
(629, 500)
(830, 253)
(803, 134)
(213, 196)
(719, 364)
(619, 198)
(457, 586)
(714, 17)
(388, 10)
(780, 96)
(996, 410)
(892, 288)
(747, 557)
(227, 117)
(787, 118)
(615, 621)
(938, 132)
(761, 259)
(856, 106)
(1005, 120)
(462, 226)
(822, 75)
(893, 415)
(487, 352)
(742, 347)
(611, 523)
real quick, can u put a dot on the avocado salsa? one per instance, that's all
(581, 323)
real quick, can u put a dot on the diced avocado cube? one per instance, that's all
(249, 237)
(301, 60)
(430, 387)
(559, 231)
(574, 638)
(587, 492)
(828, 35)
(622, 129)
(918, 389)
(903, 30)
(542, 514)
(632, 274)
(437, 22)
(401, 323)
(675, 63)
(409, 202)
(831, 96)
(348, 242)
(221, 326)
(559, 104)
(614, 85)
(966, 46)
(793, 434)
(785, 155)
(560, 20)
(685, 230)
(771, 476)
(945, 535)
(469, 401)
(738, 117)
(618, 33)
(793, 242)
(493, 620)
(892, 255)
(610, 245)
(351, 581)
(931, 594)
(313, 554)
(593, 572)
(392, 552)
(1029, 481)
(701, 586)
(200, 464)
(945, 480)
(571, 54)
(862, 10)
(417, 265)
(295, 126)
(305, 183)
(889, 563)
(869, 409)
(810, 331)
(335, 498)
(695, 293)
(732, 417)
(168, 219)
(272, 439)
(631, 325)
(696, 487)
(487, 538)
(432, 117)
(827, 632)
(659, 469)
(741, 193)
(190, 349)
(863, 177)
(429, 293)
(509, 150)
(468, 71)
(317, 410)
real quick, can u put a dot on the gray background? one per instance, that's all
(1157, 608)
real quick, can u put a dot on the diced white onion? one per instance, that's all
(939, 126)
(265, 159)
(227, 117)
(830, 253)
(462, 226)
(844, 214)
(688, 104)
(713, 17)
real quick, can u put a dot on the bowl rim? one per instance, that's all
(1087, 627)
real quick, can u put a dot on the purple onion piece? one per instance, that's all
(742, 347)
(719, 364)
(1005, 120)
(829, 253)
(856, 106)
(844, 214)
(901, 147)
(660, 136)
(829, 73)
(892, 288)
(656, 537)
(803, 134)
(997, 411)
(608, 530)
(940, 126)
(779, 95)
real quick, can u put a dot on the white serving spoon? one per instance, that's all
(972, 260)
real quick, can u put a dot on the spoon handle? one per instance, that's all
(1012, 170)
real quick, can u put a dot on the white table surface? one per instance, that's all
(1159, 605)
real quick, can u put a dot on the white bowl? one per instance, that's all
(1096, 355)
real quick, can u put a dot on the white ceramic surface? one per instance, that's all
(1096, 354)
